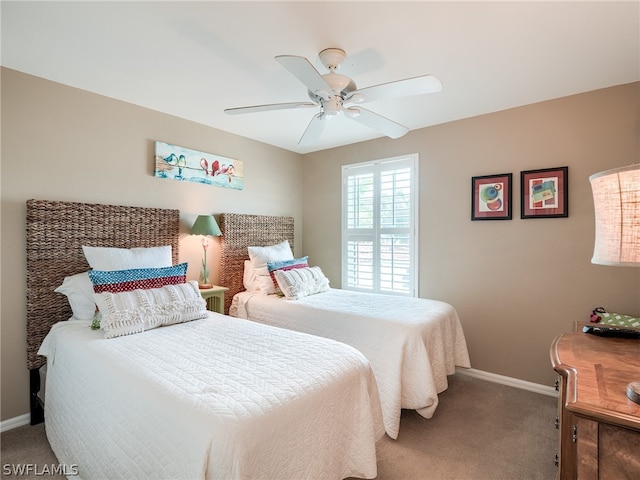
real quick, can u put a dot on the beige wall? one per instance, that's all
(515, 284)
(60, 143)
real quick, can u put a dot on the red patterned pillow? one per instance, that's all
(283, 266)
(138, 278)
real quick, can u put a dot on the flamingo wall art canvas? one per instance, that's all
(179, 163)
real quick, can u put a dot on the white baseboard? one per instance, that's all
(510, 381)
(15, 422)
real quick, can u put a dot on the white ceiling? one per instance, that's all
(194, 59)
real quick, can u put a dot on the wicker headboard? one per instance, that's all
(240, 231)
(56, 232)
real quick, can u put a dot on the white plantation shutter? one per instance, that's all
(380, 226)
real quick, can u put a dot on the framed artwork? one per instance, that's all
(491, 197)
(545, 193)
(179, 163)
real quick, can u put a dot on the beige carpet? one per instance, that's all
(480, 431)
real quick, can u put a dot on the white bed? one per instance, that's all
(411, 343)
(165, 388)
(213, 398)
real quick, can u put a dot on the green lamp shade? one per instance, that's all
(206, 225)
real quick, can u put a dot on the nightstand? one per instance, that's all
(214, 297)
(599, 427)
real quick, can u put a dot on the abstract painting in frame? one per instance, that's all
(545, 193)
(491, 197)
(179, 163)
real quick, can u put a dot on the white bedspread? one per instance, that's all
(412, 343)
(214, 398)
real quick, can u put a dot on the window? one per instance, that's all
(380, 226)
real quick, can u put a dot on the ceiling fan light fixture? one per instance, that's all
(332, 106)
(332, 91)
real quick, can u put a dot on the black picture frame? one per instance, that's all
(545, 193)
(491, 197)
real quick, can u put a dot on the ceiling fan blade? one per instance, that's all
(313, 131)
(399, 88)
(272, 106)
(377, 122)
(302, 69)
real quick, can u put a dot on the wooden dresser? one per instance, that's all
(599, 426)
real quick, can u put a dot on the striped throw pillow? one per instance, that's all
(285, 265)
(117, 281)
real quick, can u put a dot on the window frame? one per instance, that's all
(377, 231)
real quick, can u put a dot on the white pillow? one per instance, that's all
(79, 291)
(110, 258)
(300, 282)
(126, 313)
(260, 256)
(249, 278)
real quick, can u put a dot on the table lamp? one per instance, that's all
(616, 199)
(205, 225)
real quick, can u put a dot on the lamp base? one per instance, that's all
(205, 286)
(633, 392)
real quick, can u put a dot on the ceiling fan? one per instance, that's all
(336, 93)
